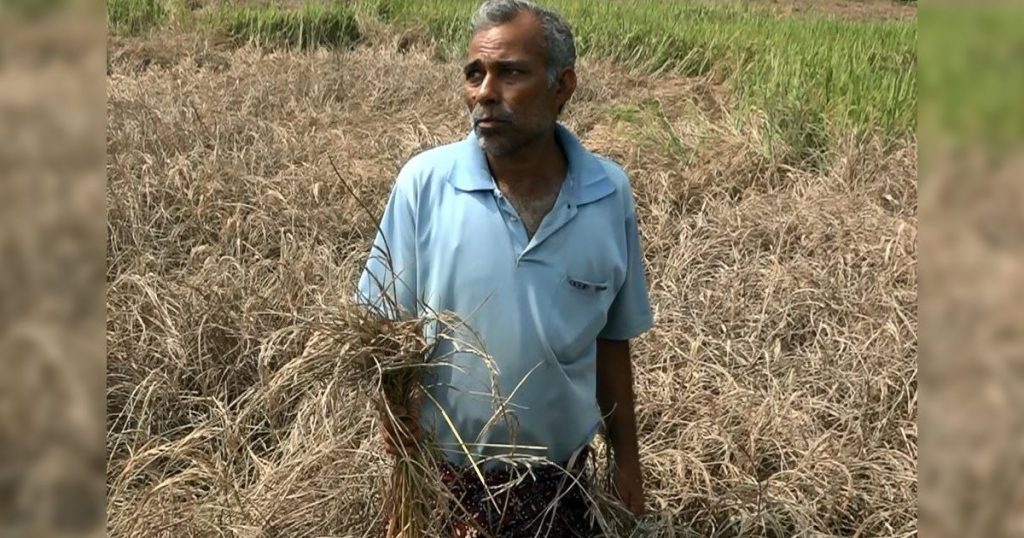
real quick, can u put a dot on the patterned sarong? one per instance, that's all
(544, 501)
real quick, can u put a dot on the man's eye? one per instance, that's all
(473, 75)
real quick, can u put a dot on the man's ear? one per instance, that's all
(565, 86)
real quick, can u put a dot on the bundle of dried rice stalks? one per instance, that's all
(385, 360)
(388, 351)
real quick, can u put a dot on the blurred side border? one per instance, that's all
(52, 244)
(52, 275)
(971, 134)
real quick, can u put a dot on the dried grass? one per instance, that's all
(776, 396)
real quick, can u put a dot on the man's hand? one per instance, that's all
(629, 487)
(615, 397)
(400, 428)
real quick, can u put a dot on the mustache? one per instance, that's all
(479, 114)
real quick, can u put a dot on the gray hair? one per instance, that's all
(559, 43)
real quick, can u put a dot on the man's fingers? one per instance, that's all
(402, 424)
(390, 409)
(401, 433)
(400, 428)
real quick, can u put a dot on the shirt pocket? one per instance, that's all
(581, 310)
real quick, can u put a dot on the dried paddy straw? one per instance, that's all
(386, 352)
(384, 359)
(776, 396)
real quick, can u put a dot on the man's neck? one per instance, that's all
(534, 166)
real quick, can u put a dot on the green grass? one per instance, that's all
(972, 78)
(815, 79)
(310, 26)
(133, 17)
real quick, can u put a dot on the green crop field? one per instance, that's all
(815, 78)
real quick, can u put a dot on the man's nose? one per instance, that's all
(487, 92)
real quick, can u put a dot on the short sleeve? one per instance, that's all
(630, 313)
(388, 282)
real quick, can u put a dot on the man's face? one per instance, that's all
(506, 89)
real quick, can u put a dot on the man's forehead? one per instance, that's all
(517, 39)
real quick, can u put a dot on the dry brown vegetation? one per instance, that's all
(777, 392)
(849, 9)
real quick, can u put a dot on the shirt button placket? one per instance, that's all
(512, 223)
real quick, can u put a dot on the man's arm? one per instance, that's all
(615, 398)
(387, 287)
(388, 281)
(628, 316)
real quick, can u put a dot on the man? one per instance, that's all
(532, 241)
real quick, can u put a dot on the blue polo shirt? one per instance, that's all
(535, 307)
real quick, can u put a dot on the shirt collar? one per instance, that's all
(590, 181)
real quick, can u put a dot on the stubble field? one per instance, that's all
(777, 393)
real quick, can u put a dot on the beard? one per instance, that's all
(513, 133)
